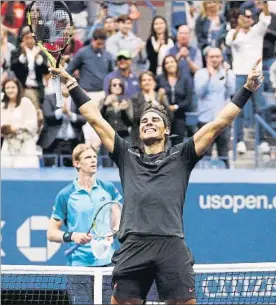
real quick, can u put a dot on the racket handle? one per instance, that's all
(71, 250)
(57, 88)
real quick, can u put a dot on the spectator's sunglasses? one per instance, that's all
(117, 85)
(248, 16)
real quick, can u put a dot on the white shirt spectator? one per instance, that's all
(248, 47)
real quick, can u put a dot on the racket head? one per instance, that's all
(106, 221)
(51, 25)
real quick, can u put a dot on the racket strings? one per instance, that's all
(51, 24)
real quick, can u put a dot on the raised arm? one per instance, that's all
(88, 109)
(208, 133)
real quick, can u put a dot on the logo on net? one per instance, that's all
(236, 203)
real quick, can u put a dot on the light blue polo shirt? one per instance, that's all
(76, 207)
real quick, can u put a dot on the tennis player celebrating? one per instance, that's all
(154, 180)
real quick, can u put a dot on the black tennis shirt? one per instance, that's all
(154, 188)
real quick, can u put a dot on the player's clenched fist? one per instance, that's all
(81, 238)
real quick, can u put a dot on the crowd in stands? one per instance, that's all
(195, 66)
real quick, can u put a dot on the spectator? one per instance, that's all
(148, 84)
(189, 57)
(18, 128)
(117, 111)
(158, 44)
(93, 63)
(30, 65)
(246, 42)
(124, 72)
(126, 40)
(214, 85)
(269, 49)
(179, 92)
(103, 21)
(13, 16)
(5, 56)
(75, 207)
(210, 26)
(272, 72)
(63, 128)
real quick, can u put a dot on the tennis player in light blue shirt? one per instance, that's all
(75, 207)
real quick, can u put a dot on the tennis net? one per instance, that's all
(215, 284)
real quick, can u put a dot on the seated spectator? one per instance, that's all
(214, 85)
(158, 44)
(148, 84)
(6, 50)
(210, 26)
(5, 56)
(179, 91)
(18, 128)
(126, 40)
(93, 63)
(272, 72)
(12, 17)
(30, 66)
(117, 111)
(124, 72)
(189, 57)
(63, 128)
(246, 42)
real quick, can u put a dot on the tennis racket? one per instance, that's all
(51, 25)
(104, 227)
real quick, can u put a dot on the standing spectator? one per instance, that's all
(189, 57)
(30, 65)
(126, 40)
(93, 63)
(179, 92)
(246, 42)
(117, 111)
(148, 84)
(124, 72)
(18, 128)
(63, 128)
(210, 26)
(75, 206)
(158, 44)
(214, 85)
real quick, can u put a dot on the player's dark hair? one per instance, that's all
(159, 109)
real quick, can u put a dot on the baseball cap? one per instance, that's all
(124, 53)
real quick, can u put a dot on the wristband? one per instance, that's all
(78, 96)
(67, 237)
(241, 98)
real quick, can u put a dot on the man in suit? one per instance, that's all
(63, 128)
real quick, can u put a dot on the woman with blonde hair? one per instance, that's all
(210, 26)
(18, 128)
